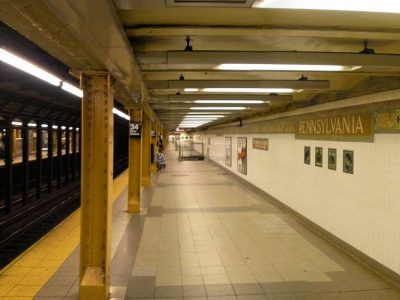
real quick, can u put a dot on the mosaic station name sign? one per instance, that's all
(355, 127)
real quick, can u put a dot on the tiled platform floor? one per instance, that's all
(202, 235)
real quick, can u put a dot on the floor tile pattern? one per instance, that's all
(203, 235)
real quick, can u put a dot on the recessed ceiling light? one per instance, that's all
(219, 108)
(229, 101)
(249, 90)
(286, 67)
(387, 6)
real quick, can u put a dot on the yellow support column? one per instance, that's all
(96, 184)
(154, 142)
(135, 160)
(146, 140)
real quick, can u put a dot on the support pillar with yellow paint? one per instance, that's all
(96, 184)
(154, 148)
(135, 160)
(146, 141)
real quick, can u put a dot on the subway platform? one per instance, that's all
(202, 234)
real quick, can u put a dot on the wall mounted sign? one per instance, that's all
(348, 161)
(332, 159)
(228, 151)
(242, 155)
(319, 152)
(352, 127)
(387, 121)
(307, 155)
(135, 130)
(260, 143)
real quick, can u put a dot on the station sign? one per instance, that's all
(260, 143)
(135, 130)
(350, 127)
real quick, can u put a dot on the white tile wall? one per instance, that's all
(362, 209)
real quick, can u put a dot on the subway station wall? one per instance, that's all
(361, 209)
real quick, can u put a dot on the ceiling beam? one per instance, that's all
(190, 59)
(265, 32)
(194, 97)
(293, 84)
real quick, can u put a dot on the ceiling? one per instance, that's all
(27, 98)
(156, 28)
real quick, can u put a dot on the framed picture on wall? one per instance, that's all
(318, 156)
(228, 151)
(348, 161)
(307, 155)
(332, 159)
(242, 155)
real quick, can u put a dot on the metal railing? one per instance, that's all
(191, 150)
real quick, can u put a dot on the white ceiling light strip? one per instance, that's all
(249, 90)
(385, 6)
(27, 67)
(121, 114)
(230, 101)
(72, 89)
(286, 67)
(219, 108)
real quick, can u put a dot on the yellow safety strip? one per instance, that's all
(29, 272)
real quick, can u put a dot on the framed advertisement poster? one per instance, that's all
(348, 161)
(318, 156)
(307, 155)
(228, 151)
(242, 155)
(331, 159)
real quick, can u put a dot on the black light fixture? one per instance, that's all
(367, 50)
(303, 78)
(188, 46)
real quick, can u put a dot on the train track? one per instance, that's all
(27, 224)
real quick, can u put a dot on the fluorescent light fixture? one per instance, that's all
(63, 127)
(386, 6)
(229, 101)
(219, 108)
(31, 125)
(44, 125)
(219, 113)
(285, 67)
(191, 90)
(121, 114)
(204, 119)
(26, 66)
(72, 89)
(249, 90)
(15, 123)
(203, 115)
(54, 127)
